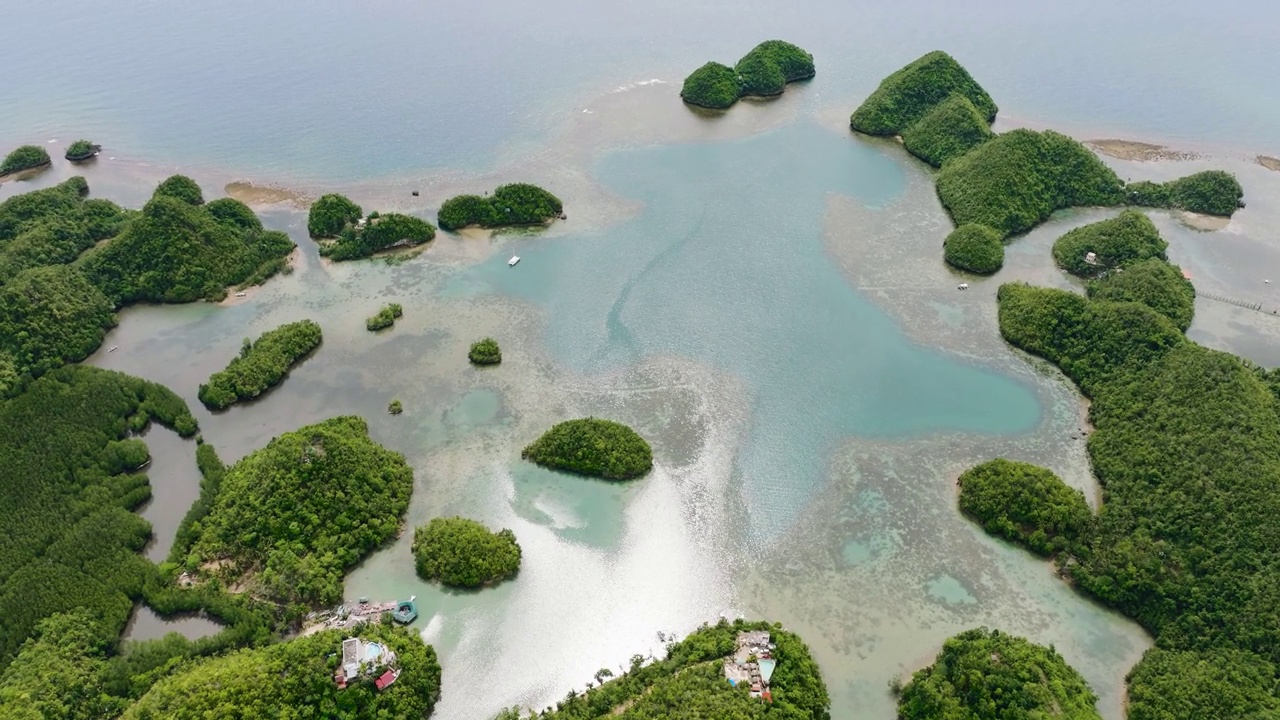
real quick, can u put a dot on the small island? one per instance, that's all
(1211, 192)
(290, 519)
(26, 157)
(763, 72)
(513, 204)
(385, 318)
(485, 352)
(82, 150)
(463, 553)
(985, 674)
(975, 248)
(344, 233)
(261, 365)
(1092, 249)
(395, 408)
(1025, 504)
(592, 447)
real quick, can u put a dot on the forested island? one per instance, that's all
(1013, 181)
(988, 675)
(763, 72)
(26, 157)
(460, 552)
(290, 519)
(384, 318)
(513, 204)
(689, 681)
(592, 447)
(261, 365)
(82, 150)
(485, 352)
(345, 233)
(973, 247)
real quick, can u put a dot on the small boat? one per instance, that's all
(514, 259)
(241, 294)
(962, 286)
(113, 348)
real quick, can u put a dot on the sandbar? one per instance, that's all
(258, 195)
(1269, 162)
(1137, 151)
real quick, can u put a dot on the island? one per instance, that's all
(385, 318)
(909, 94)
(344, 233)
(395, 408)
(261, 365)
(290, 519)
(1025, 504)
(510, 205)
(1098, 247)
(1212, 192)
(459, 552)
(26, 157)
(82, 150)
(485, 352)
(985, 674)
(765, 71)
(176, 250)
(739, 669)
(592, 447)
(975, 248)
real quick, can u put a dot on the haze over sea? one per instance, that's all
(760, 294)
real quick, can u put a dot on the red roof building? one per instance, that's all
(385, 679)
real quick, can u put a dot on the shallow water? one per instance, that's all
(146, 625)
(760, 294)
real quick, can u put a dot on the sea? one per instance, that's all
(760, 293)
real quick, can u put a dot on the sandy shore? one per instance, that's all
(1269, 162)
(1137, 151)
(259, 195)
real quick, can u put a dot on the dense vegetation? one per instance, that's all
(1026, 504)
(1014, 181)
(950, 129)
(81, 150)
(295, 679)
(1171, 685)
(1187, 449)
(688, 682)
(594, 447)
(49, 316)
(1154, 283)
(763, 72)
(512, 204)
(384, 318)
(24, 158)
(60, 673)
(53, 226)
(70, 539)
(330, 214)
(289, 519)
(485, 352)
(1212, 192)
(395, 407)
(1116, 242)
(261, 365)
(976, 248)
(988, 675)
(463, 553)
(907, 95)
(713, 86)
(381, 232)
(177, 250)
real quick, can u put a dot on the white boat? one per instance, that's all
(241, 294)
(514, 259)
(113, 348)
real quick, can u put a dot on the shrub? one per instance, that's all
(760, 75)
(593, 447)
(976, 248)
(261, 364)
(1026, 504)
(989, 675)
(485, 352)
(1212, 192)
(1016, 180)
(181, 187)
(385, 318)
(712, 86)
(464, 553)
(81, 150)
(512, 204)
(1115, 242)
(176, 251)
(395, 408)
(384, 232)
(291, 518)
(330, 214)
(1154, 283)
(24, 158)
(907, 95)
(952, 128)
(794, 62)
